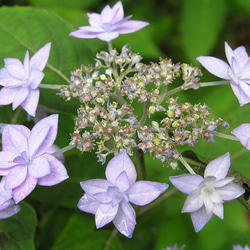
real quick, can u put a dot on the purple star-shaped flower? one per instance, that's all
(109, 199)
(109, 24)
(237, 71)
(25, 160)
(7, 205)
(206, 195)
(21, 81)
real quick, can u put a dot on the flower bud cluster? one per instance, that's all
(183, 125)
(109, 93)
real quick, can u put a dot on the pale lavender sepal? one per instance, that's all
(215, 66)
(193, 202)
(15, 177)
(242, 132)
(144, 192)
(186, 183)
(123, 224)
(230, 191)
(94, 186)
(31, 102)
(23, 190)
(200, 218)
(7, 143)
(88, 204)
(218, 167)
(105, 214)
(118, 164)
(43, 135)
(58, 172)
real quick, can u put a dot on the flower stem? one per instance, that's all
(63, 150)
(50, 86)
(229, 137)
(16, 115)
(111, 237)
(187, 166)
(208, 84)
(155, 203)
(59, 73)
(110, 46)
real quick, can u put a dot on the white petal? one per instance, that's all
(218, 210)
(39, 167)
(94, 186)
(31, 102)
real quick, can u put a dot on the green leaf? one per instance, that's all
(200, 26)
(80, 233)
(30, 29)
(76, 4)
(17, 232)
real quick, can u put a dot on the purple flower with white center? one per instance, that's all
(7, 205)
(109, 199)
(25, 160)
(109, 24)
(20, 81)
(239, 247)
(206, 195)
(243, 134)
(237, 71)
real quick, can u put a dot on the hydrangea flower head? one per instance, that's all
(109, 199)
(20, 81)
(206, 195)
(237, 71)
(109, 24)
(243, 134)
(25, 161)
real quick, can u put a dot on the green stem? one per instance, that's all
(63, 150)
(140, 162)
(145, 114)
(208, 84)
(155, 203)
(16, 115)
(229, 137)
(50, 86)
(239, 153)
(111, 237)
(59, 73)
(187, 166)
(110, 47)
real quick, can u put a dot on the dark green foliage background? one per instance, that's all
(179, 29)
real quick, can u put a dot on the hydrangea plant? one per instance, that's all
(130, 115)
